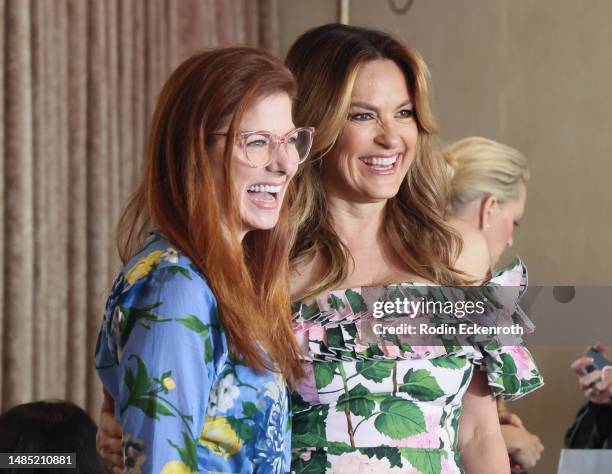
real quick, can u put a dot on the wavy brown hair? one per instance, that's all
(325, 62)
(178, 198)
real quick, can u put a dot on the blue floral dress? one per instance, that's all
(185, 405)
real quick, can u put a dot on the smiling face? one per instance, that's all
(259, 191)
(502, 222)
(377, 145)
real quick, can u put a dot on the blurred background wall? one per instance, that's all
(534, 75)
(78, 84)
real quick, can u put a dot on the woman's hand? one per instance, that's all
(109, 437)
(524, 448)
(596, 385)
(510, 419)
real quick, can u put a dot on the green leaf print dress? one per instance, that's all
(389, 407)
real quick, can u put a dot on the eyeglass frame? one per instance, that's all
(278, 140)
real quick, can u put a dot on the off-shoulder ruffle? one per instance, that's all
(337, 326)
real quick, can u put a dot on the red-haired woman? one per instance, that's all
(189, 350)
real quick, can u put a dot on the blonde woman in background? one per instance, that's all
(489, 190)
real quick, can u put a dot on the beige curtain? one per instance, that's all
(78, 82)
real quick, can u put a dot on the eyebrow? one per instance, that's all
(365, 105)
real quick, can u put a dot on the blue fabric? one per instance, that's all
(184, 403)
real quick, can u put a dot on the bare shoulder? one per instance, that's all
(474, 258)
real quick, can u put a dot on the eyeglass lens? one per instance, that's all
(259, 147)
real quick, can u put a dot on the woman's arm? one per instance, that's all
(161, 385)
(481, 444)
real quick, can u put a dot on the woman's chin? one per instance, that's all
(380, 193)
(260, 222)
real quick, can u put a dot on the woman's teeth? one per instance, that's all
(259, 188)
(381, 163)
(261, 192)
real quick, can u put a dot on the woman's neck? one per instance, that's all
(357, 224)
(361, 228)
(468, 213)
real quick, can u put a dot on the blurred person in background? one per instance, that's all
(488, 192)
(592, 427)
(52, 426)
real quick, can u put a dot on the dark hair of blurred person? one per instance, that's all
(52, 426)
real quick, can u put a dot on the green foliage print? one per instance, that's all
(426, 461)
(509, 379)
(188, 452)
(324, 373)
(395, 417)
(383, 452)
(203, 330)
(309, 427)
(359, 400)
(375, 370)
(146, 393)
(127, 317)
(449, 362)
(399, 418)
(243, 428)
(356, 301)
(420, 384)
(335, 302)
(316, 464)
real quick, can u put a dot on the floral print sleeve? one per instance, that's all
(162, 332)
(511, 370)
(184, 404)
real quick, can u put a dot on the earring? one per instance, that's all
(486, 227)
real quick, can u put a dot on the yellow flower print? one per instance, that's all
(169, 383)
(176, 467)
(143, 267)
(219, 437)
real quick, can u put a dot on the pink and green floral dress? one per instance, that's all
(389, 407)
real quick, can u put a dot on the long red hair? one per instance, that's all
(179, 198)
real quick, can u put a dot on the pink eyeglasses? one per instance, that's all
(259, 146)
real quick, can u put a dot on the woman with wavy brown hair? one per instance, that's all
(196, 345)
(368, 216)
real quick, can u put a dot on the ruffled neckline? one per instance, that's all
(329, 329)
(513, 274)
(328, 326)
